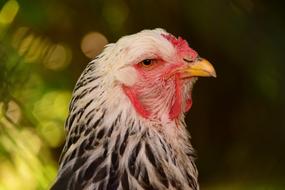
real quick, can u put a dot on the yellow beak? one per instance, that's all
(200, 68)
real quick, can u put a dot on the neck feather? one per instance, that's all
(104, 131)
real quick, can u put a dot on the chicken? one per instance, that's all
(125, 128)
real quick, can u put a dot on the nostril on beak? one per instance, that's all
(187, 60)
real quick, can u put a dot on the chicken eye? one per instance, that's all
(147, 62)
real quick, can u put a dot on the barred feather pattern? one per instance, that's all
(109, 147)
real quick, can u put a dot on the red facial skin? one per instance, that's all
(157, 75)
(136, 103)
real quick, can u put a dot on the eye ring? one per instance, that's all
(147, 63)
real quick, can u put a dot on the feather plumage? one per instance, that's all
(108, 144)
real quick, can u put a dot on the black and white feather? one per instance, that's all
(108, 145)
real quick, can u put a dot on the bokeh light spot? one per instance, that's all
(33, 51)
(14, 112)
(53, 133)
(32, 143)
(92, 44)
(18, 36)
(25, 44)
(51, 128)
(55, 102)
(8, 12)
(58, 57)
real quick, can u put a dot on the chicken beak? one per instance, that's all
(199, 68)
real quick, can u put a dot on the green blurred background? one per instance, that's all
(237, 121)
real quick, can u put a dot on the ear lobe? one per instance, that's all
(127, 76)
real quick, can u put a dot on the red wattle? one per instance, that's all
(188, 104)
(176, 107)
(136, 103)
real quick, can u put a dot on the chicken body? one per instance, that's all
(126, 128)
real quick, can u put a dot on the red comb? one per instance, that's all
(180, 44)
